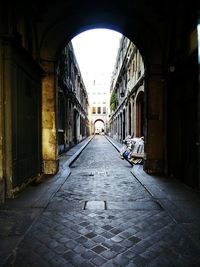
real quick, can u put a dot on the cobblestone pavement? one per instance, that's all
(102, 216)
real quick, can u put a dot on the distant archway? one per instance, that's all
(99, 126)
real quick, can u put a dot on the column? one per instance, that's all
(132, 116)
(2, 196)
(154, 124)
(127, 120)
(119, 127)
(6, 154)
(49, 119)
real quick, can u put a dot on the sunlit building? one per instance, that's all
(127, 93)
(98, 94)
(72, 101)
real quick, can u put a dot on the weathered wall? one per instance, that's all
(21, 85)
(154, 122)
(182, 120)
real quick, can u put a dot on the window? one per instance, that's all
(104, 110)
(99, 110)
(93, 110)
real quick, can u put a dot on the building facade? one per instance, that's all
(73, 124)
(97, 84)
(127, 93)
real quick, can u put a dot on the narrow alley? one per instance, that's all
(103, 216)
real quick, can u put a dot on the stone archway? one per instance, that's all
(53, 32)
(115, 19)
(154, 150)
(52, 25)
(98, 129)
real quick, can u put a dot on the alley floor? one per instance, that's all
(103, 216)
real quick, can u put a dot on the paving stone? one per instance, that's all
(107, 235)
(107, 243)
(132, 205)
(121, 260)
(125, 234)
(98, 260)
(117, 248)
(77, 260)
(81, 240)
(71, 244)
(79, 249)
(63, 240)
(87, 264)
(137, 249)
(40, 249)
(126, 243)
(107, 227)
(115, 231)
(90, 235)
(108, 254)
(83, 231)
(116, 239)
(99, 230)
(148, 255)
(134, 239)
(109, 264)
(88, 254)
(84, 224)
(52, 244)
(98, 249)
(129, 254)
(140, 261)
(56, 262)
(131, 264)
(49, 255)
(89, 244)
(69, 255)
(61, 249)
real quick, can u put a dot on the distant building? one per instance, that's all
(127, 93)
(73, 123)
(98, 85)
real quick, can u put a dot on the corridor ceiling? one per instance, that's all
(142, 21)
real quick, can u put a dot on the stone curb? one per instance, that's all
(116, 147)
(110, 140)
(65, 171)
(76, 155)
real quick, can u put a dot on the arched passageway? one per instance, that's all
(99, 126)
(32, 36)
